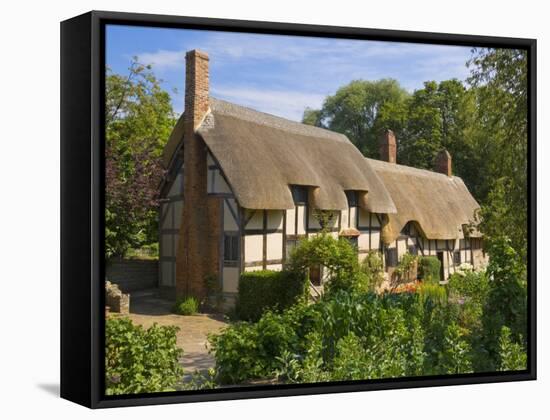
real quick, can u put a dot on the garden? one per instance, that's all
(475, 323)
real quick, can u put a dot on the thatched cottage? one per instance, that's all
(243, 187)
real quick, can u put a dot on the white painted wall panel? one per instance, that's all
(275, 219)
(363, 217)
(290, 221)
(177, 208)
(167, 216)
(401, 249)
(274, 246)
(167, 248)
(363, 241)
(353, 217)
(257, 220)
(255, 268)
(313, 220)
(177, 187)
(275, 267)
(301, 220)
(375, 240)
(231, 279)
(229, 223)
(167, 277)
(344, 218)
(220, 186)
(253, 248)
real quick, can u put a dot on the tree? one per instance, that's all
(139, 119)
(353, 109)
(500, 79)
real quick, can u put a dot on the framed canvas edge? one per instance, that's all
(93, 333)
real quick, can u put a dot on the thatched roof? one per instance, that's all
(440, 205)
(262, 155)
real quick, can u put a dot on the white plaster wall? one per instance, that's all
(253, 248)
(353, 217)
(363, 241)
(229, 223)
(363, 217)
(276, 267)
(375, 240)
(344, 214)
(167, 277)
(401, 249)
(167, 215)
(257, 220)
(231, 279)
(301, 220)
(290, 221)
(220, 186)
(176, 187)
(274, 246)
(167, 250)
(255, 268)
(275, 219)
(177, 208)
(209, 160)
(313, 221)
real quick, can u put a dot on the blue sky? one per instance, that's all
(281, 75)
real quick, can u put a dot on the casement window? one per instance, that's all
(456, 258)
(352, 198)
(413, 250)
(231, 248)
(299, 194)
(391, 257)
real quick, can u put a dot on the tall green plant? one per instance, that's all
(139, 360)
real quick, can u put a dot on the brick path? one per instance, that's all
(149, 306)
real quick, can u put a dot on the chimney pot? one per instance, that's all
(443, 163)
(388, 147)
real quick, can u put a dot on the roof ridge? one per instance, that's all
(264, 118)
(427, 172)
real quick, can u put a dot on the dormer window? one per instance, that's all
(352, 198)
(299, 194)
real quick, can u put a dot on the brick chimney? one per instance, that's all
(443, 163)
(388, 147)
(196, 87)
(198, 245)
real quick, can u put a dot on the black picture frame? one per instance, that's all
(82, 207)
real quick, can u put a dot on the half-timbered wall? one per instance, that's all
(262, 239)
(169, 223)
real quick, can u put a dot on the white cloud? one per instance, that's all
(287, 104)
(163, 59)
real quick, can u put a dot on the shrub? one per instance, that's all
(406, 270)
(186, 306)
(139, 360)
(512, 355)
(373, 268)
(264, 290)
(506, 303)
(469, 290)
(337, 256)
(432, 291)
(429, 269)
(456, 351)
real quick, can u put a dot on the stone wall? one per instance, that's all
(132, 275)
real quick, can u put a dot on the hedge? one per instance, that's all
(429, 269)
(267, 289)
